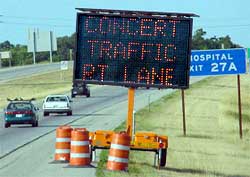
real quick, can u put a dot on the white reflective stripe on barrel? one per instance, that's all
(79, 155)
(59, 140)
(117, 159)
(121, 147)
(62, 151)
(79, 143)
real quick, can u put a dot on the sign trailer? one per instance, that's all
(133, 49)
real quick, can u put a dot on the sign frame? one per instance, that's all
(135, 14)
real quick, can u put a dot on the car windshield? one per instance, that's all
(58, 98)
(19, 106)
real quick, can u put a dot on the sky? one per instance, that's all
(217, 17)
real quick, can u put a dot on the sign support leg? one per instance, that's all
(51, 47)
(50, 56)
(183, 111)
(9, 62)
(239, 105)
(34, 47)
(131, 95)
(70, 54)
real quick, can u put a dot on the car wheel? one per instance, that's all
(69, 113)
(45, 113)
(6, 125)
(73, 96)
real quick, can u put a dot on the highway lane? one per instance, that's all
(7, 74)
(18, 135)
(35, 159)
(103, 97)
(105, 110)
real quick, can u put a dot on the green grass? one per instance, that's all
(212, 146)
(36, 86)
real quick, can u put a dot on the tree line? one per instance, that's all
(20, 56)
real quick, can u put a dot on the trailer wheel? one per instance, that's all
(162, 157)
(91, 154)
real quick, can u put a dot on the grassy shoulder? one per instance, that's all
(212, 146)
(36, 86)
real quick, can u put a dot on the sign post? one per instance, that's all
(248, 53)
(183, 111)
(239, 106)
(34, 47)
(51, 46)
(70, 54)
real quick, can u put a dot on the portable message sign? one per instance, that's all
(133, 49)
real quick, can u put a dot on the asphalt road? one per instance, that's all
(7, 74)
(25, 147)
(18, 135)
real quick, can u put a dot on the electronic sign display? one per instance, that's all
(133, 51)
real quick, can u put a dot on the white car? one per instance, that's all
(57, 104)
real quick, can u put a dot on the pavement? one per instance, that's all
(18, 135)
(34, 158)
(7, 74)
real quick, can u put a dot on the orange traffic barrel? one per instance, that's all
(79, 151)
(63, 136)
(119, 152)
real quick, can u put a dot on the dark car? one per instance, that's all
(20, 111)
(80, 89)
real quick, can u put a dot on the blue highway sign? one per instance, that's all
(218, 62)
